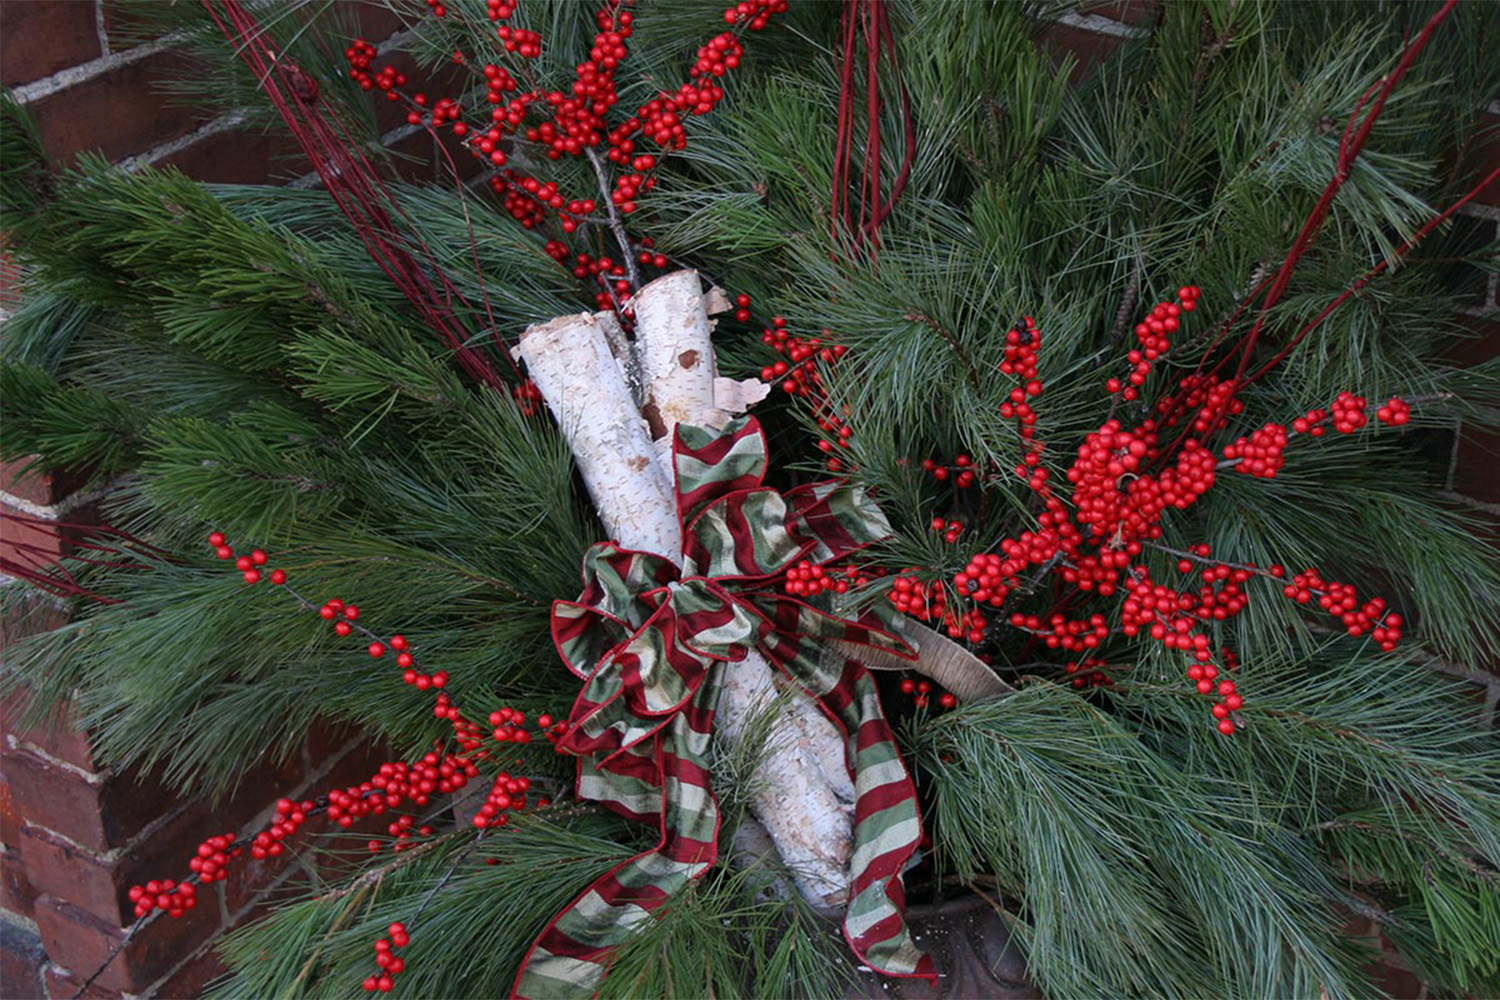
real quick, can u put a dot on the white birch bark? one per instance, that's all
(672, 336)
(570, 361)
(802, 791)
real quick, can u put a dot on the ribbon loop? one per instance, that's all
(651, 643)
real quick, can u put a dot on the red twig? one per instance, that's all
(1351, 143)
(1400, 252)
(867, 17)
(354, 184)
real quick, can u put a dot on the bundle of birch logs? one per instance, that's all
(617, 401)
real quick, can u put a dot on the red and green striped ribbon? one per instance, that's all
(650, 640)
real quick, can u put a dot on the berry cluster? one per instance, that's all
(920, 693)
(1259, 454)
(1152, 333)
(1088, 672)
(961, 471)
(360, 55)
(249, 565)
(1058, 632)
(808, 579)
(950, 530)
(921, 600)
(1349, 413)
(1123, 481)
(510, 726)
(172, 897)
(1395, 413)
(397, 782)
(799, 373)
(1340, 600)
(506, 793)
(394, 785)
(390, 964)
(754, 14)
(401, 831)
(1160, 612)
(574, 121)
(1211, 401)
(528, 398)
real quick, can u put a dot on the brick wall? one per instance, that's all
(74, 836)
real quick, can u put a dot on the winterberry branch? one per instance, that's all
(614, 219)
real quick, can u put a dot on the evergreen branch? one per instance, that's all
(946, 334)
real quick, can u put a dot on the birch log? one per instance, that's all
(570, 361)
(802, 791)
(803, 794)
(672, 336)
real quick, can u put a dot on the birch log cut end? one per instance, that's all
(673, 340)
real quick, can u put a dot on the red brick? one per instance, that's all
(21, 961)
(1485, 156)
(33, 487)
(64, 985)
(1136, 13)
(355, 766)
(57, 799)
(121, 31)
(1088, 47)
(238, 157)
(324, 739)
(298, 885)
(57, 736)
(10, 815)
(418, 159)
(60, 869)
(40, 37)
(193, 979)
(117, 113)
(258, 789)
(21, 618)
(16, 893)
(1397, 981)
(1476, 473)
(248, 877)
(377, 22)
(97, 816)
(27, 543)
(81, 943)
(10, 277)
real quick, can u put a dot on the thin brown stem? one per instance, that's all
(615, 225)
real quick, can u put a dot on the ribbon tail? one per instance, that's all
(887, 827)
(938, 657)
(572, 956)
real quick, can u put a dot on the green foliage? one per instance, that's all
(23, 165)
(1354, 785)
(468, 943)
(698, 946)
(234, 353)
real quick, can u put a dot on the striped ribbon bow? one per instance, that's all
(650, 640)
